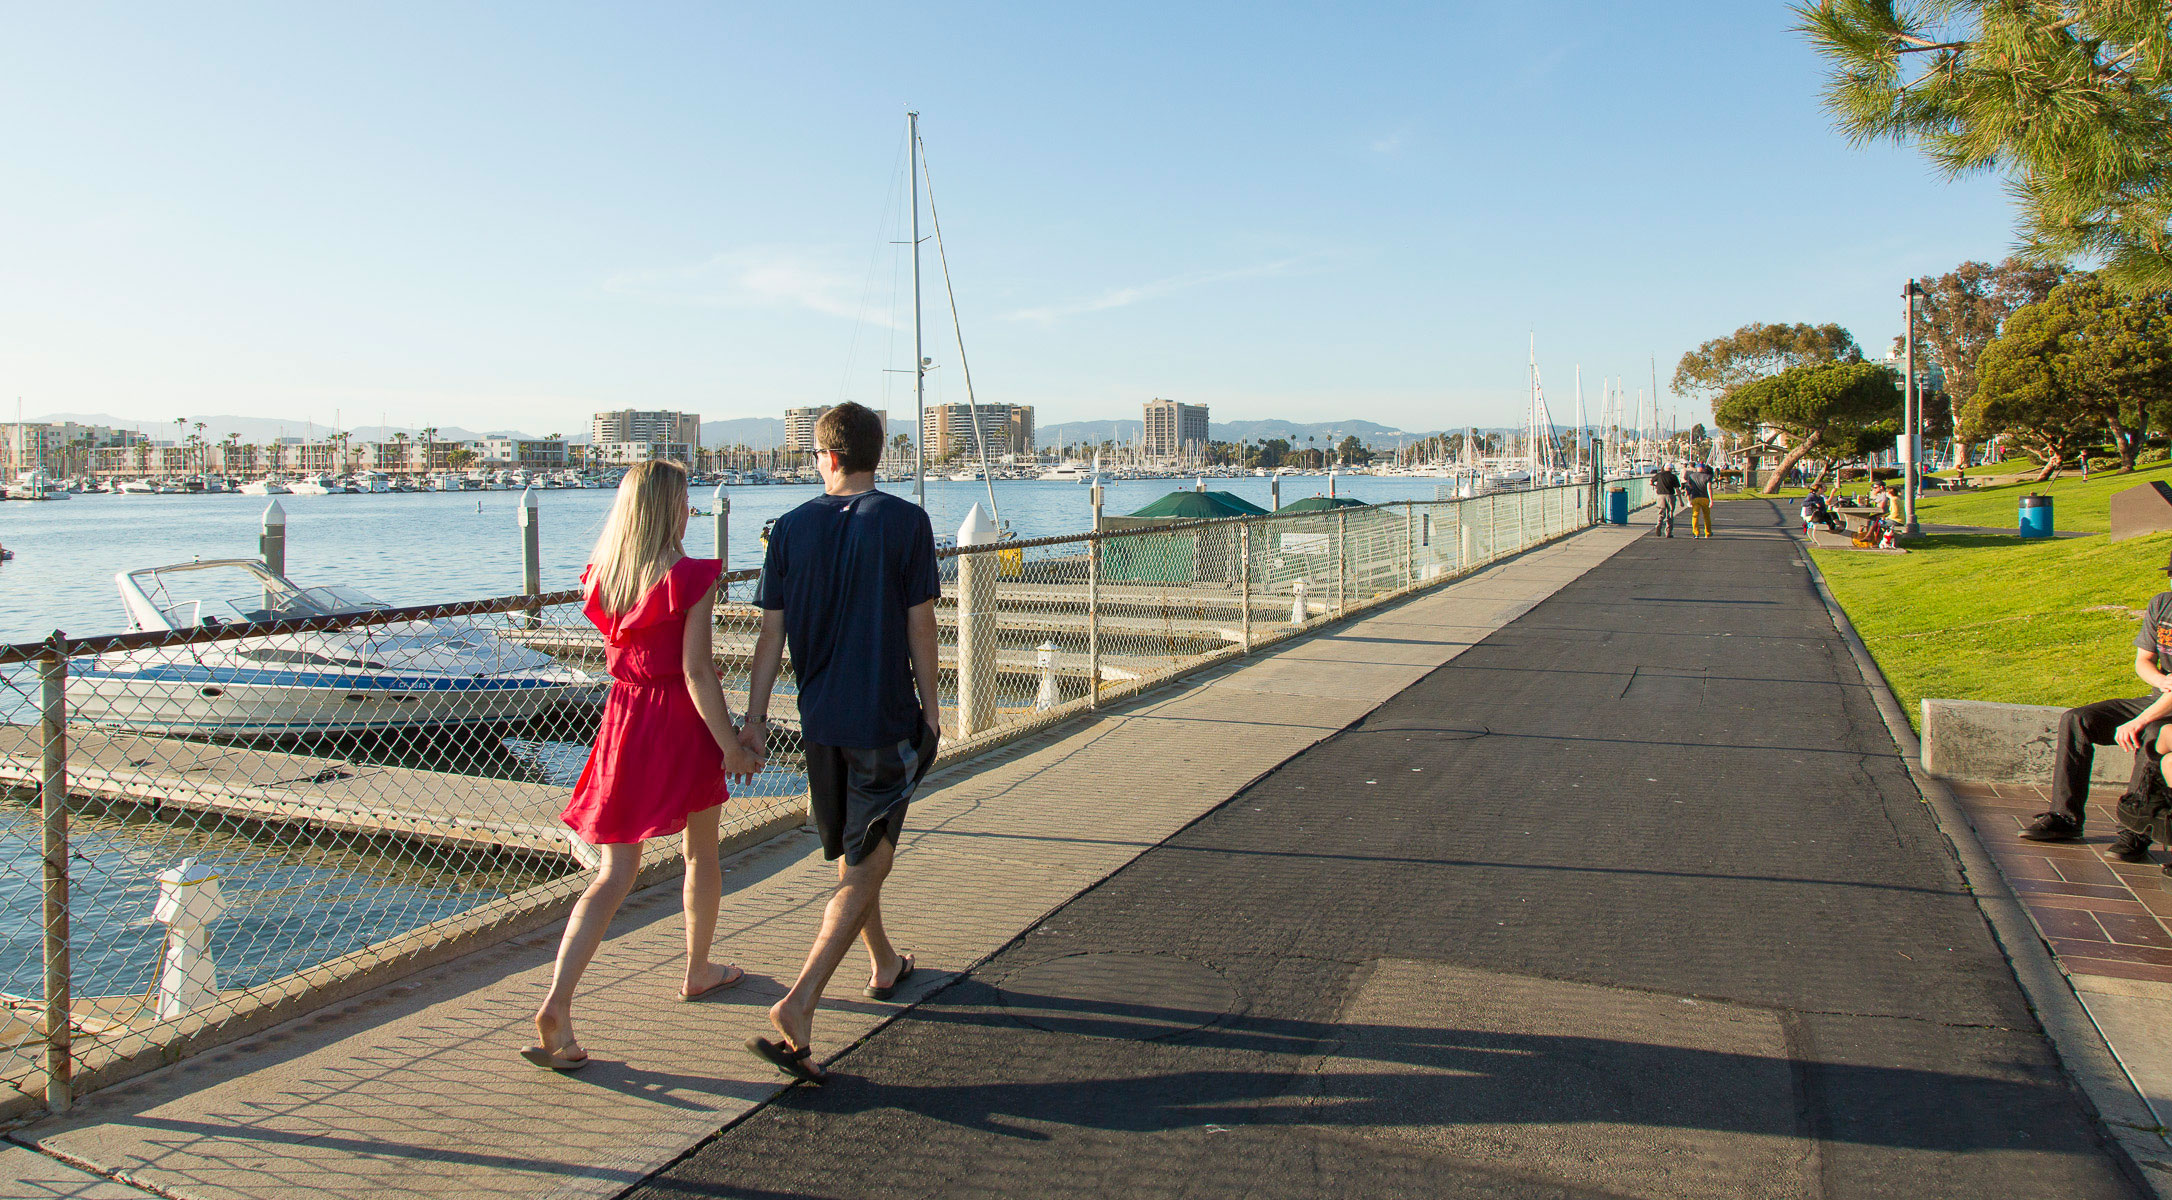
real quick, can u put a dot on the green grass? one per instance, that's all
(2075, 504)
(1992, 617)
(2010, 466)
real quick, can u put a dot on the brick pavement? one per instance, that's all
(415, 1090)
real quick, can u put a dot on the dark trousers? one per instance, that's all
(2084, 729)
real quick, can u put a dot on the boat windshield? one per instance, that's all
(282, 603)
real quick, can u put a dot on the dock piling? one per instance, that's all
(531, 553)
(976, 625)
(53, 806)
(1093, 605)
(1047, 697)
(1299, 611)
(272, 542)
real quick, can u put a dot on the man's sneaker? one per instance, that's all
(2052, 827)
(2129, 846)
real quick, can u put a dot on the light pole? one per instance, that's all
(1911, 411)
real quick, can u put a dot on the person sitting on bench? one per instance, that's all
(2135, 724)
(1815, 511)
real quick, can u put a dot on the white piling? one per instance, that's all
(1299, 612)
(188, 902)
(272, 542)
(722, 506)
(976, 625)
(1048, 696)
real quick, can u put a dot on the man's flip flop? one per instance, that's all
(550, 1061)
(884, 993)
(734, 976)
(791, 1062)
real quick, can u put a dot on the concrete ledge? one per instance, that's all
(2004, 743)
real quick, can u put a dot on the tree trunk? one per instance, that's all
(2128, 443)
(1787, 463)
(2053, 460)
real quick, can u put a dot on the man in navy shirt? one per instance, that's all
(849, 583)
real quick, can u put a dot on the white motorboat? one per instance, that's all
(374, 481)
(1069, 472)
(314, 485)
(264, 487)
(138, 487)
(413, 674)
(36, 485)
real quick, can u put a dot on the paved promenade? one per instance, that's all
(415, 1090)
(1635, 898)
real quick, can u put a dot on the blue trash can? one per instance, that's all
(2035, 516)
(1617, 506)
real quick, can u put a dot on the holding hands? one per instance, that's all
(749, 752)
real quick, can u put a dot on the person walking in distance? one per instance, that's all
(849, 584)
(664, 745)
(1697, 485)
(1665, 485)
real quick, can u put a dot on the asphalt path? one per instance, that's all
(1636, 898)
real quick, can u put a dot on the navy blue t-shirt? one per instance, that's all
(844, 569)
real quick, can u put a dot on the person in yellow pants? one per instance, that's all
(1697, 485)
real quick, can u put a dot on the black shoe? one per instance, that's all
(2129, 846)
(2053, 827)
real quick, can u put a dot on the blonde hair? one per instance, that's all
(642, 530)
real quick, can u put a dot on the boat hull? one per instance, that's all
(203, 701)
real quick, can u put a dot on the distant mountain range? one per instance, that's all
(1322, 433)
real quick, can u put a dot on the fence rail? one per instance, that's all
(281, 797)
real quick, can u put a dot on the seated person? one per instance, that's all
(2135, 724)
(1816, 511)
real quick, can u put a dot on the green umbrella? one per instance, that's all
(1319, 504)
(1197, 506)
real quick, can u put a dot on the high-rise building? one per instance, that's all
(1022, 429)
(799, 426)
(947, 430)
(630, 425)
(1173, 429)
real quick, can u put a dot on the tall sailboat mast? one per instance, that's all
(920, 359)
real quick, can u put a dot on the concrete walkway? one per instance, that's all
(1635, 898)
(415, 1090)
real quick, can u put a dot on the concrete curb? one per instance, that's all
(2080, 1045)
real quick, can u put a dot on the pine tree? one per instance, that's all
(2069, 100)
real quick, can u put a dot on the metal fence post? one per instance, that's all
(531, 554)
(53, 803)
(1093, 605)
(1244, 579)
(1410, 545)
(1342, 560)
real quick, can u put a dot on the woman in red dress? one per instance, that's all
(665, 746)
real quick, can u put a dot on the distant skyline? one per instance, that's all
(499, 216)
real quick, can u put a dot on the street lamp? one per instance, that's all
(1911, 411)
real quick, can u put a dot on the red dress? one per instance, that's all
(654, 761)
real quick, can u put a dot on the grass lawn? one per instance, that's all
(1991, 617)
(2075, 504)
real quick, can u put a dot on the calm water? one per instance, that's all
(434, 546)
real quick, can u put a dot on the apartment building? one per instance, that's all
(1173, 429)
(630, 425)
(799, 426)
(947, 430)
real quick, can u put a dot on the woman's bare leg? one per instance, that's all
(703, 888)
(585, 929)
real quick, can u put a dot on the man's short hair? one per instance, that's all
(855, 432)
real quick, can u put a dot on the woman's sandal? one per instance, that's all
(550, 1060)
(884, 993)
(731, 977)
(791, 1062)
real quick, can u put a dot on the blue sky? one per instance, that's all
(511, 215)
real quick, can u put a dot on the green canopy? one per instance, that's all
(1319, 504)
(1197, 506)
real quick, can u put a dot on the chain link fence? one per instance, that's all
(267, 797)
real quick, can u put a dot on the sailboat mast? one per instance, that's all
(920, 360)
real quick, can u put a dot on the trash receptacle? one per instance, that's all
(1617, 506)
(2035, 516)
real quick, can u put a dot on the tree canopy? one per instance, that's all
(1842, 408)
(1757, 350)
(2081, 361)
(2070, 100)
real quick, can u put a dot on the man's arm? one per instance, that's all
(920, 638)
(2129, 735)
(768, 659)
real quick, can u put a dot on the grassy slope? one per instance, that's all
(1991, 617)
(2075, 504)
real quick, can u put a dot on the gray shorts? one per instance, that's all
(859, 794)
